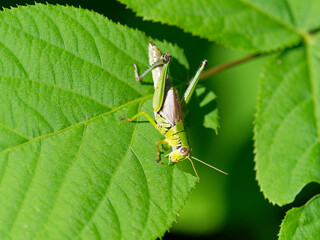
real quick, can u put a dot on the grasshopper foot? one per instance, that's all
(158, 158)
(165, 147)
(159, 161)
(136, 74)
(123, 118)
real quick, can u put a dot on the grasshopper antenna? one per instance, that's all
(139, 77)
(165, 58)
(209, 165)
(194, 169)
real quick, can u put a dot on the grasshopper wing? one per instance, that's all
(154, 56)
(171, 109)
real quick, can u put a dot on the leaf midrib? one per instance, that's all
(141, 99)
(263, 12)
(274, 18)
(313, 86)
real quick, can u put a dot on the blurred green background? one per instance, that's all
(221, 207)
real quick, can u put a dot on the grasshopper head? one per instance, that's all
(179, 154)
(166, 57)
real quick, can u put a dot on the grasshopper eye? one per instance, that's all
(183, 151)
(166, 58)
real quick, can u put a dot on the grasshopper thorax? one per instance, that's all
(179, 154)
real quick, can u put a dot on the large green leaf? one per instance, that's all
(69, 168)
(254, 25)
(287, 129)
(302, 222)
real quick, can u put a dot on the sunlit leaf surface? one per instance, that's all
(69, 168)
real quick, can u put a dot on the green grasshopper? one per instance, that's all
(167, 108)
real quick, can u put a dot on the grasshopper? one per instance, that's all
(168, 108)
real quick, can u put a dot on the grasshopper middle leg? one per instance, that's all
(143, 114)
(164, 144)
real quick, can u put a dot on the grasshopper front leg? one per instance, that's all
(158, 63)
(143, 114)
(161, 142)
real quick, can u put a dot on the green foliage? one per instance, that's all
(287, 134)
(69, 168)
(302, 222)
(253, 25)
(288, 123)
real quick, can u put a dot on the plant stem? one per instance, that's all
(314, 31)
(222, 67)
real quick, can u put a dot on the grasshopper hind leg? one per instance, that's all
(164, 144)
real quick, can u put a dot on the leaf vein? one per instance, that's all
(283, 81)
(45, 121)
(292, 16)
(148, 191)
(305, 150)
(78, 57)
(88, 32)
(95, 229)
(15, 57)
(141, 99)
(53, 201)
(54, 25)
(122, 51)
(270, 16)
(57, 87)
(313, 87)
(125, 193)
(110, 183)
(15, 131)
(33, 22)
(292, 110)
(5, 161)
(22, 202)
(116, 214)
